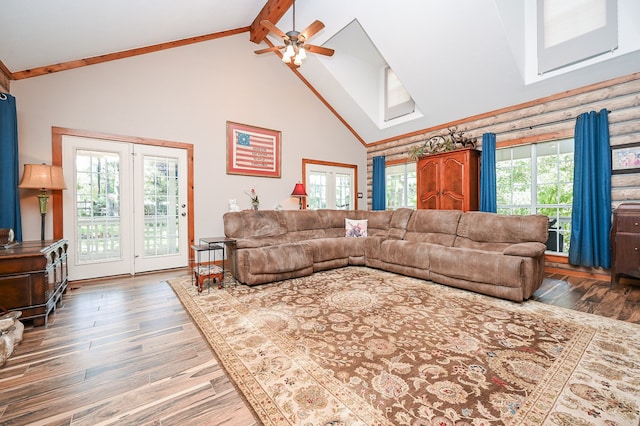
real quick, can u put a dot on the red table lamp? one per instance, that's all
(298, 191)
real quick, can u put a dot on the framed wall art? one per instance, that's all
(253, 151)
(625, 158)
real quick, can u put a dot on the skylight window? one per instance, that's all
(398, 101)
(570, 31)
(366, 77)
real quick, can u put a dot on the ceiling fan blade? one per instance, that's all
(269, 49)
(312, 29)
(277, 31)
(319, 49)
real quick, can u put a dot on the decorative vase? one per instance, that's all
(255, 204)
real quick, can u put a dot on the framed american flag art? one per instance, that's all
(253, 151)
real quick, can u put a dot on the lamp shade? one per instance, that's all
(298, 191)
(42, 176)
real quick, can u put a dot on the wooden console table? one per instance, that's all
(33, 277)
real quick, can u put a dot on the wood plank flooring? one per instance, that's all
(119, 351)
(621, 302)
(124, 351)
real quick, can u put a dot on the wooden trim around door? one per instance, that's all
(56, 159)
(306, 161)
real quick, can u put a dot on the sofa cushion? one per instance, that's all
(398, 224)
(325, 249)
(477, 265)
(251, 224)
(280, 258)
(355, 228)
(378, 222)
(407, 253)
(302, 225)
(493, 228)
(433, 226)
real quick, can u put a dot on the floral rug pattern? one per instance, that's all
(358, 346)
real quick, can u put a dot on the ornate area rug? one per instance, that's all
(358, 346)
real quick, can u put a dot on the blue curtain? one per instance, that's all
(9, 166)
(379, 192)
(488, 198)
(591, 213)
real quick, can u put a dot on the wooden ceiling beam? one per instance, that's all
(5, 77)
(273, 10)
(48, 69)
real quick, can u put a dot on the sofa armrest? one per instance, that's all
(531, 249)
(247, 243)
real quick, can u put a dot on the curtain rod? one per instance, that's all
(540, 125)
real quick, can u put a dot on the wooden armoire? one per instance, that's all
(449, 181)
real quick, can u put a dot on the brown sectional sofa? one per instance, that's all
(497, 255)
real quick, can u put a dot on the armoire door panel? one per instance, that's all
(449, 180)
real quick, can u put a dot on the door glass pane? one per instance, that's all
(317, 190)
(97, 206)
(343, 191)
(161, 212)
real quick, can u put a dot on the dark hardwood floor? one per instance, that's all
(124, 351)
(621, 301)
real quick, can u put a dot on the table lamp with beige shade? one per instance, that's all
(43, 177)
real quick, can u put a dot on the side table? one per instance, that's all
(228, 247)
(209, 271)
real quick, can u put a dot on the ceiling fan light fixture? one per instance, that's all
(289, 51)
(294, 41)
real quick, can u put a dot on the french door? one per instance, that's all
(330, 186)
(125, 207)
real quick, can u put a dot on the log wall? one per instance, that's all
(544, 119)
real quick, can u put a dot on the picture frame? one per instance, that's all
(625, 158)
(253, 151)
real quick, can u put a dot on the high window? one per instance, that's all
(571, 31)
(401, 184)
(397, 100)
(538, 179)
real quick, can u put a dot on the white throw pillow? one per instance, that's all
(355, 228)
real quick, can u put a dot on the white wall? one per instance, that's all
(187, 94)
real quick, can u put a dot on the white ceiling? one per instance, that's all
(457, 58)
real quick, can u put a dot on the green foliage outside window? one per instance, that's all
(401, 185)
(538, 179)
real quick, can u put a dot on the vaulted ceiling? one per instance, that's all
(457, 58)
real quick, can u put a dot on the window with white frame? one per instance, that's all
(570, 31)
(397, 100)
(401, 185)
(538, 179)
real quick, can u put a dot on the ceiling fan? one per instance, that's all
(295, 46)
